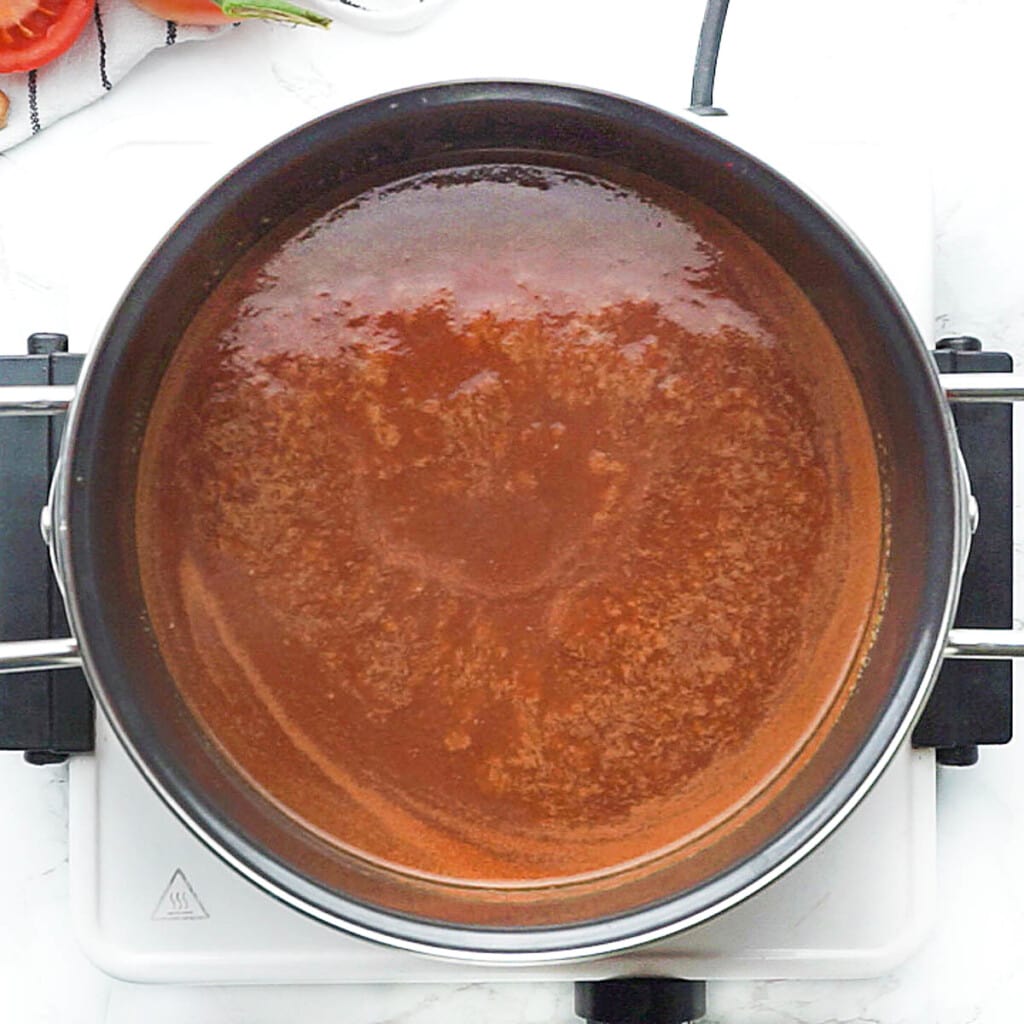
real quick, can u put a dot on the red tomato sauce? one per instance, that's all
(510, 524)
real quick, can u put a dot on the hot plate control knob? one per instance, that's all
(641, 1001)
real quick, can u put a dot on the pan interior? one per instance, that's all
(511, 525)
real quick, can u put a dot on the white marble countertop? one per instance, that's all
(943, 76)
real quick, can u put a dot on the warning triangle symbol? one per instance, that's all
(179, 901)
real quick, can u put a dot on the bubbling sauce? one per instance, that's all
(509, 524)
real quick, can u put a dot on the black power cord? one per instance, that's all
(706, 61)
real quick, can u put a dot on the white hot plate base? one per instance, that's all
(151, 903)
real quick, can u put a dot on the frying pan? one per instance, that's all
(90, 521)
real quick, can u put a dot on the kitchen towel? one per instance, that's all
(120, 35)
(117, 38)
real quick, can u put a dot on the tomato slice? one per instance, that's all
(33, 32)
(223, 12)
(186, 12)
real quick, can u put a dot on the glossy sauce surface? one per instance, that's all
(509, 524)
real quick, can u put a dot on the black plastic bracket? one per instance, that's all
(46, 714)
(641, 1001)
(972, 702)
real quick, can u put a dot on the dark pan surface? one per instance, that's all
(451, 124)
